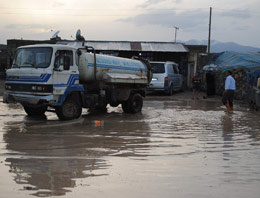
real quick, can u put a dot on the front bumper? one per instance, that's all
(27, 99)
(157, 87)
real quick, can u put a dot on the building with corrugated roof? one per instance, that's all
(3, 58)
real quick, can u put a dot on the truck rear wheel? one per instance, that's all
(134, 104)
(35, 111)
(70, 109)
(125, 107)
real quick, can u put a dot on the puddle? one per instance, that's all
(174, 147)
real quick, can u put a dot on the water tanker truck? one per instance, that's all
(64, 79)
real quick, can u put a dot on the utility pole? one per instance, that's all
(210, 12)
(176, 28)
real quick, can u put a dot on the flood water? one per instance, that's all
(174, 148)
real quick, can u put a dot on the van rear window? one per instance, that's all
(158, 68)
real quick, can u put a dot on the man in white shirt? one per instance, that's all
(230, 87)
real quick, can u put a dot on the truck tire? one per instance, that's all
(114, 104)
(35, 111)
(125, 107)
(135, 103)
(69, 110)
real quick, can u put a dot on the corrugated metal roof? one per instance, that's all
(163, 47)
(109, 45)
(134, 46)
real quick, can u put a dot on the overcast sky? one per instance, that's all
(132, 20)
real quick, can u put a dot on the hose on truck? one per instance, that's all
(148, 65)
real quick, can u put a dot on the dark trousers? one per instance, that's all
(228, 97)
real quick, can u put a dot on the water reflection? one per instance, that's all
(180, 144)
(227, 123)
(48, 158)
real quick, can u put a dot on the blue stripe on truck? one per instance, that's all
(72, 79)
(41, 78)
(118, 67)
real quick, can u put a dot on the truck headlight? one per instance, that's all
(42, 88)
(39, 88)
(8, 87)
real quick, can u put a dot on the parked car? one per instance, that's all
(166, 77)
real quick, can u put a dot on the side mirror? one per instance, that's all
(79, 52)
(66, 63)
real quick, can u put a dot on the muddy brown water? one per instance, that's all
(174, 148)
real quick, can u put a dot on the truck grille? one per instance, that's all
(29, 87)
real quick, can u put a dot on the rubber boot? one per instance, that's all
(231, 108)
(228, 107)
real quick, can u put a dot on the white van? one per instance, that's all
(166, 77)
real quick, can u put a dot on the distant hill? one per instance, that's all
(217, 46)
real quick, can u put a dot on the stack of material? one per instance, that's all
(240, 75)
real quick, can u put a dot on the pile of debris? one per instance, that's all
(240, 75)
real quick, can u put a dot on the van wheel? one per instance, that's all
(182, 87)
(135, 103)
(170, 92)
(70, 109)
(35, 111)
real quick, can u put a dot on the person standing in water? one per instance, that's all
(196, 81)
(230, 87)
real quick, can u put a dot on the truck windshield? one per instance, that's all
(33, 57)
(158, 68)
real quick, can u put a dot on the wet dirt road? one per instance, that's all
(174, 148)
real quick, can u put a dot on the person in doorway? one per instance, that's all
(210, 81)
(196, 82)
(230, 87)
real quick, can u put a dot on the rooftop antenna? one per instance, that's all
(176, 28)
(55, 36)
(79, 37)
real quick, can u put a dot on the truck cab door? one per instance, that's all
(65, 71)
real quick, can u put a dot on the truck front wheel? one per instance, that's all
(70, 109)
(35, 111)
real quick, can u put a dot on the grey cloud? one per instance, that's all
(186, 20)
(153, 2)
(235, 14)
(27, 26)
(190, 20)
(242, 28)
(57, 4)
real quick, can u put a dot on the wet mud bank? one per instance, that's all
(175, 147)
